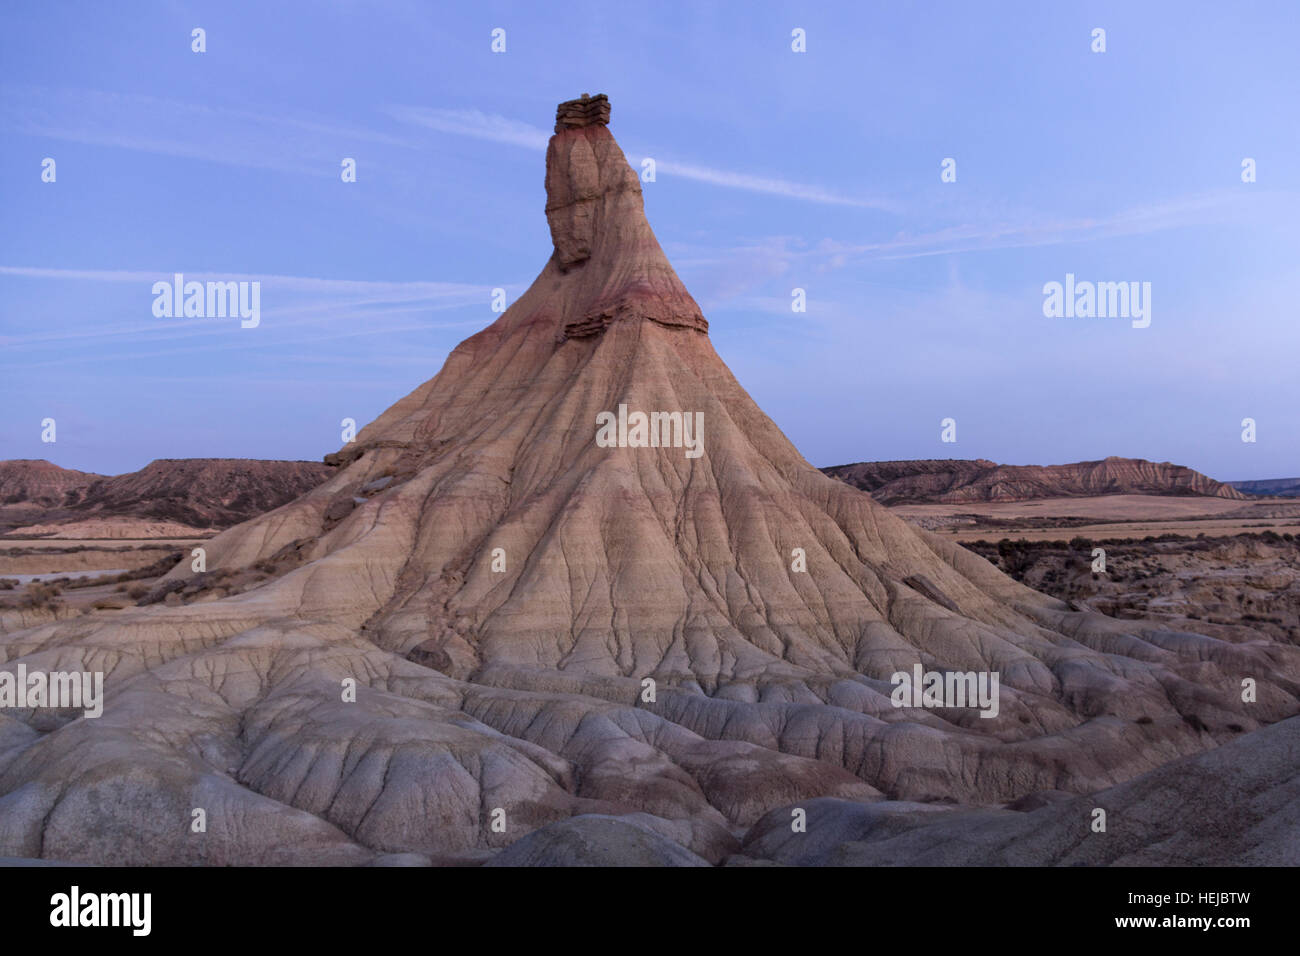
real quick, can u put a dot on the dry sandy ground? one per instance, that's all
(50, 558)
(1217, 585)
(1222, 571)
(1101, 507)
(1106, 516)
(113, 528)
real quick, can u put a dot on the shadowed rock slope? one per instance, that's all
(1284, 487)
(498, 585)
(953, 481)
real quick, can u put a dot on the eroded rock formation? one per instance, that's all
(501, 588)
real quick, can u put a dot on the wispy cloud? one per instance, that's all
(474, 124)
(400, 290)
(499, 129)
(311, 146)
(293, 144)
(723, 274)
(1204, 210)
(769, 186)
(305, 302)
(238, 341)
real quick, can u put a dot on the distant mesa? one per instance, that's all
(956, 481)
(1282, 487)
(197, 494)
(40, 483)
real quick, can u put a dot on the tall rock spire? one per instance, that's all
(599, 231)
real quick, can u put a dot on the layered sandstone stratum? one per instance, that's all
(500, 586)
(957, 481)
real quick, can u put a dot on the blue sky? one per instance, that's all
(776, 170)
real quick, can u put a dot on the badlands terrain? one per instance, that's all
(176, 496)
(948, 481)
(491, 637)
(1177, 544)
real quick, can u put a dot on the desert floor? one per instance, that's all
(1106, 516)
